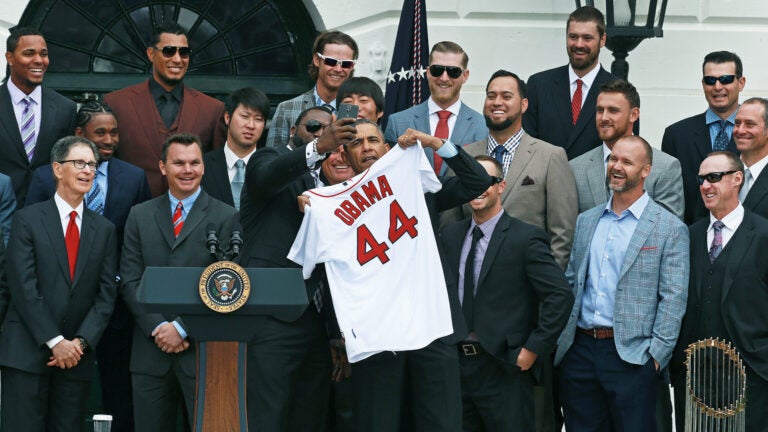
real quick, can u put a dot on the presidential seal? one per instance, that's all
(224, 287)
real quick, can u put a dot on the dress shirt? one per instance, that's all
(433, 118)
(157, 92)
(101, 180)
(487, 228)
(320, 102)
(64, 210)
(713, 123)
(606, 154)
(731, 221)
(756, 169)
(586, 81)
(232, 159)
(18, 106)
(510, 145)
(606, 256)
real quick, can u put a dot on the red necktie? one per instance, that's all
(441, 131)
(177, 220)
(576, 102)
(72, 239)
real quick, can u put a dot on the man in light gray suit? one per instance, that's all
(618, 109)
(629, 271)
(442, 115)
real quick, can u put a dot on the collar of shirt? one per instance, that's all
(187, 203)
(510, 144)
(433, 108)
(711, 117)
(606, 153)
(231, 159)
(636, 209)
(757, 168)
(65, 209)
(157, 91)
(320, 102)
(486, 227)
(586, 80)
(731, 221)
(17, 95)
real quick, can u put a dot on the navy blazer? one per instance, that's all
(126, 186)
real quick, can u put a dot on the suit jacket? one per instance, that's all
(688, 140)
(540, 191)
(149, 241)
(549, 111)
(7, 207)
(45, 303)
(469, 127)
(652, 287)
(757, 197)
(142, 131)
(517, 276)
(663, 184)
(58, 121)
(126, 187)
(744, 297)
(285, 116)
(216, 178)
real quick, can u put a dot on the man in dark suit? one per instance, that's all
(442, 115)
(7, 207)
(169, 230)
(61, 279)
(521, 301)
(728, 291)
(561, 101)
(155, 109)
(751, 136)
(690, 140)
(245, 114)
(32, 117)
(117, 187)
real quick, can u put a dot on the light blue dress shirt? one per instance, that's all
(713, 123)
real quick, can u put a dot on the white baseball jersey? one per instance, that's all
(374, 234)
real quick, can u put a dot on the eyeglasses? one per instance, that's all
(81, 164)
(313, 126)
(332, 62)
(496, 180)
(453, 71)
(724, 79)
(170, 51)
(713, 177)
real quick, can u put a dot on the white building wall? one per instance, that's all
(526, 36)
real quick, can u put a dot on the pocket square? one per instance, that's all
(527, 181)
(648, 248)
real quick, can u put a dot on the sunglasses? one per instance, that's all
(170, 51)
(496, 180)
(332, 62)
(313, 126)
(437, 71)
(724, 79)
(713, 177)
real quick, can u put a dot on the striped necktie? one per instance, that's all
(178, 220)
(27, 129)
(95, 198)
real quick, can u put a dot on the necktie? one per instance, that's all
(178, 221)
(441, 131)
(72, 240)
(499, 153)
(717, 241)
(168, 109)
(237, 182)
(330, 108)
(95, 198)
(721, 140)
(467, 305)
(576, 102)
(27, 128)
(747, 184)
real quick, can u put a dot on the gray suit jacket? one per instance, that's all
(469, 127)
(285, 116)
(149, 241)
(652, 290)
(540, 190)
(664, 184)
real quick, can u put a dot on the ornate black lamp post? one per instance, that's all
(624, 34)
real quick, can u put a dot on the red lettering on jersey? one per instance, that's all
(362, 204)
(368, 248)
(384, 187)
(344, 217)
(371, 192)
(349, 208)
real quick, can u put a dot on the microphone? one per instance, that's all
(235, 240)
(212, 241)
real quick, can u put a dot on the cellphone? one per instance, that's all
(348, 111)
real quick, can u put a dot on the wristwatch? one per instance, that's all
(83, 343)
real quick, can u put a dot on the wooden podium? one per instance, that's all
(221, 337)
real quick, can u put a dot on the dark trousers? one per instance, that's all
(114, 357)
(42, 402)
(289, 375)
(495, 396)
(601, 392)
(435, 394)
(156, 399)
